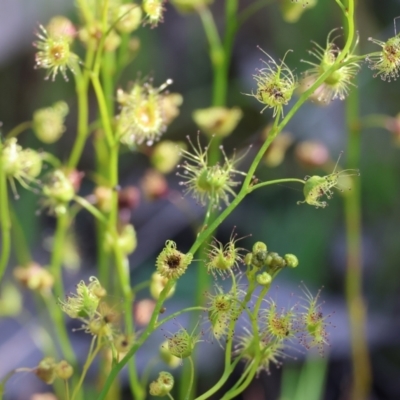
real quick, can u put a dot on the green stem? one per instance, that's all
(19, 129)
(5, 221)
(274, 182)
(58, 253)
(177, 313)
(191, 378)
(81, 88)
(145, 335)
(91, 356)
(21, 248)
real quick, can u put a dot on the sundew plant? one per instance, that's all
(90, 54)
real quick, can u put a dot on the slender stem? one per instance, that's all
(91, 356)
(23, 126)
(176, 314)
(353, 217)
(145, 335)
(170, 396)
(140, 286)
(58, 253)
(21, 248)
(191, 378)
(103, 109)
(89, 207)
(274, 182)
(66, 383)
(81, 88)
(5, 221)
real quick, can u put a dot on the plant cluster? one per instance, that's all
(92, 53)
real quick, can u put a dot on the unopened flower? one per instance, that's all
(166, 155)
(275, 85)
(154, 10)
(128, 17)
(64, 370)
(387, 62)
(154, 185)
(141, 118)
(157, 284)
(337, 84)
(162, 385)
(218, 121)
(213, 183)
(126, 240)
(167, 357)
(54, 54)
(22, 165)
(58, 191)
(48, 123)
(61, 27)
(10, 300)
(34, 277)
(276, 152)
(123, 342)
(46, 370)
(170, 104)
(312, 154)
(171, 263)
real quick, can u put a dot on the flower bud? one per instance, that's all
(218, 121)
(103, 197)
(64, 370)
(167, 357)
(48, 123)
(293, 10)
(61, 27)
(163, 385)
(128, 17)
(46, 370)
(34, 277)
(127, 240)
(58, 191)
(291, 260)
(170, 104)
(259, 254)
(144, 309)
(154, 185)
(264, 279)
(276, 152)
(166, 155)
(248, 259)
(312, 154)
(157, 284)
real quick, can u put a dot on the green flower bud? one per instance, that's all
(61, 27)
(293, 10)
(167, 357)
(157, 284)
(248, 259)
(58, 191)
(163, 385)
(48, 123)
(123, 342)
(264, 279)
(46, 370)
(291, 260)
(259, 254)
(128, 17)
(127, 240)
(218, 121)
(64, 370)
(166, 156)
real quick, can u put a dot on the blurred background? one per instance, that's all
(177, 49)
